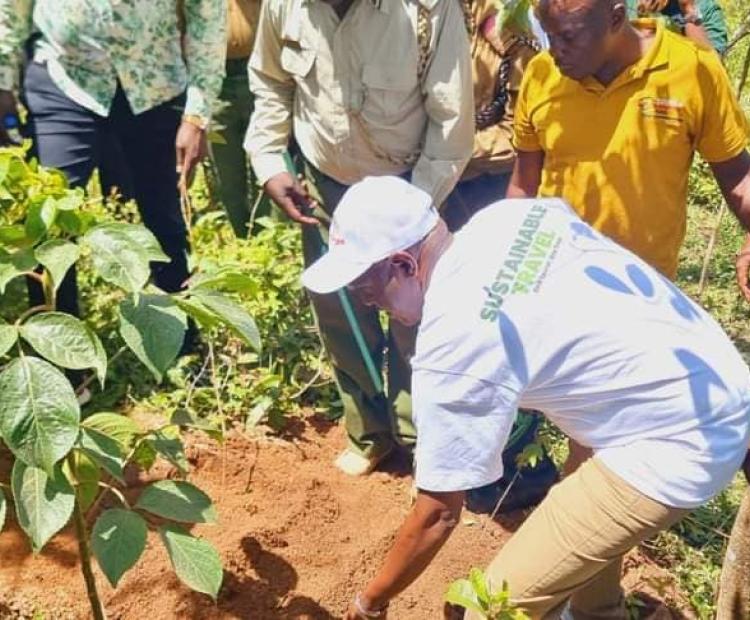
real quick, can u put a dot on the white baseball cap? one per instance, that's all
(375, 218)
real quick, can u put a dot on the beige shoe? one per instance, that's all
(356, 464)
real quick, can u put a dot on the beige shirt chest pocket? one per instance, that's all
(391, 95)
(297, 61)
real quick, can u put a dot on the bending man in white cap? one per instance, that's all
(530, 307)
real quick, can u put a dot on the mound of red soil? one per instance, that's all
(297, 537)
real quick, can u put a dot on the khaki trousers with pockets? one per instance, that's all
(571, 547)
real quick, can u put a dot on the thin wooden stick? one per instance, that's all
(710, 249)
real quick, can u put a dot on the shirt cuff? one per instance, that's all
(8, 78)
(267, 165)
(196, 104)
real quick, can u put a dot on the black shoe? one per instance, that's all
(528, 490)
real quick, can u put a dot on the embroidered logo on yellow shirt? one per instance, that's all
(667, 109)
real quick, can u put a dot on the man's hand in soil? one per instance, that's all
(288, 193)
(7, 106)
(427, 527)
(192, 147)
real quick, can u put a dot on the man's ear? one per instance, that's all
(619, 15)
(405, 263)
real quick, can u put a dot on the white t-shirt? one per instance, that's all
(530, 307)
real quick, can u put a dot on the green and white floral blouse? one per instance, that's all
(88, 45)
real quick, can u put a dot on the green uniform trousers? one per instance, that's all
(375, 422)
(237, 185)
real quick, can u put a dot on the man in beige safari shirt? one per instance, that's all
(369, 87)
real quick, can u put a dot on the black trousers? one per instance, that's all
(73, 139)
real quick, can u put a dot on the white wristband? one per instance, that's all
(368, 613)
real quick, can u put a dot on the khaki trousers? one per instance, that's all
(571, 547)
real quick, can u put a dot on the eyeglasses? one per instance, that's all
(371, 284)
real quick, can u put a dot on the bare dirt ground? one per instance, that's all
(297, 537)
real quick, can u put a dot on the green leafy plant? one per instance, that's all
(476, 594)
(63, 464)
(291, 373)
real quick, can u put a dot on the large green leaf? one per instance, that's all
(205, 318)
(57, 256)
(101, 356)
(87, 476)
(72, 200)
(478, 582)
(75, 223)
(154, 329)
(118, 540)
(43, 503)
(177, 500)
(8, 337)
(65, 341)
(104, 450)
(196, 561)
(14, 264)
(13, 235)
(115, 426)
(185, 418)
(227, 279)
(3, 508)
(231, 314)
(144, 238)
(144, 454)
(40, 217)
(39, 413)
(121, 254)
(166, 441)
(461, 592)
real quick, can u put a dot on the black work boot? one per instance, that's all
(528, 490)
(531, 485)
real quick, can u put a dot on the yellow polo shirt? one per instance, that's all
(621, 154)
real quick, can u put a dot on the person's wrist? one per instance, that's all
(196, 121)
(369, 606)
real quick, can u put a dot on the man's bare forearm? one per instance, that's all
(422, 535)
(733, 177)
(527, 175)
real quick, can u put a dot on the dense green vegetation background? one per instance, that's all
(224, 385)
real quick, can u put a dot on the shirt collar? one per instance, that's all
(657, 55)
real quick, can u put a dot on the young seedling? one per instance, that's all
(476, 594)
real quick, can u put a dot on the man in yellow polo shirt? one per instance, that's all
(610, 118)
